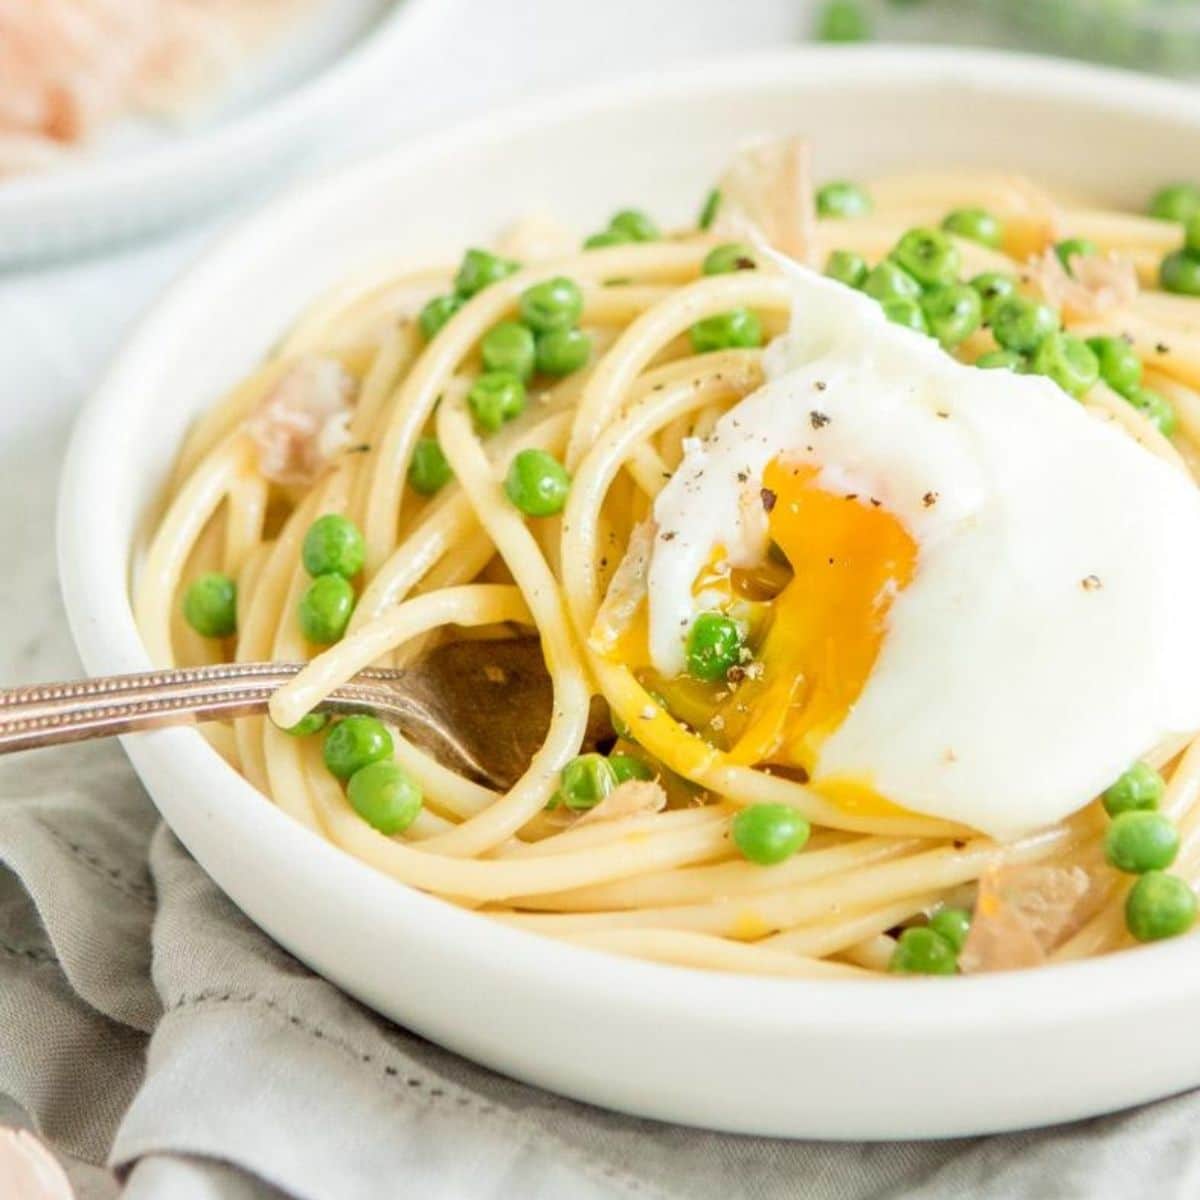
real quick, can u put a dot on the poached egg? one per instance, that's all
(991, 606)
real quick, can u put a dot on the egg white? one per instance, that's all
(1048, 636)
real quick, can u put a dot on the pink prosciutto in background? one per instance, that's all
(69, 66)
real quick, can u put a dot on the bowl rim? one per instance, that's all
(94, 583)
(278, 120)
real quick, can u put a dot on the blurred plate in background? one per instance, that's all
(143, 175)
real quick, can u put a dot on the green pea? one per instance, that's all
(586, 780)
(726, 331)
(842, 199)
(537, 483)
(437, 312)
(1180, 273)
(887, 281)
(1140, 789)
(354, 743)
(629, 766)
(496, 397)
(1022, 325)
(1120, 367)
(929, 256)
(843, 21)
(606, 237)
(954, 924)
(923, 951)
(333, 544)
(993, 287)
(953, 312)
(480, 269)
(1191, 235)
(1069, 361)
(714, 644)
(1156, 407)
(325, 609)
(1177, 202)
(1004, 360)
(311, 723)
(732, 256)
(847, 267)
(210, 605)
(551, 305)
(429, 471)
(1074, 248)
(904, 310)
(639, 226)
(769, 833)
(1159, 906)
(1138, 842)
(508, 347)
(385, 796)
(563, 351)
(976, 224)
(710, 208)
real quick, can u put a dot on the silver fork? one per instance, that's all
(481, 707)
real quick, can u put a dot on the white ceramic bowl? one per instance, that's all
(145, 176)
(831, 1059)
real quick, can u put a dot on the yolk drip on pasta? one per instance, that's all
(849, 558)
(817, 638)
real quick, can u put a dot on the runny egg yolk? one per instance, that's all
(816, 637)
(850, 558)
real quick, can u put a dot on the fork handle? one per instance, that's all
(106, 689)
(51, 714)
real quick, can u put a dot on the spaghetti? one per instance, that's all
(371, 413)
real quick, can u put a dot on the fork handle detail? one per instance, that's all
(51, 714)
